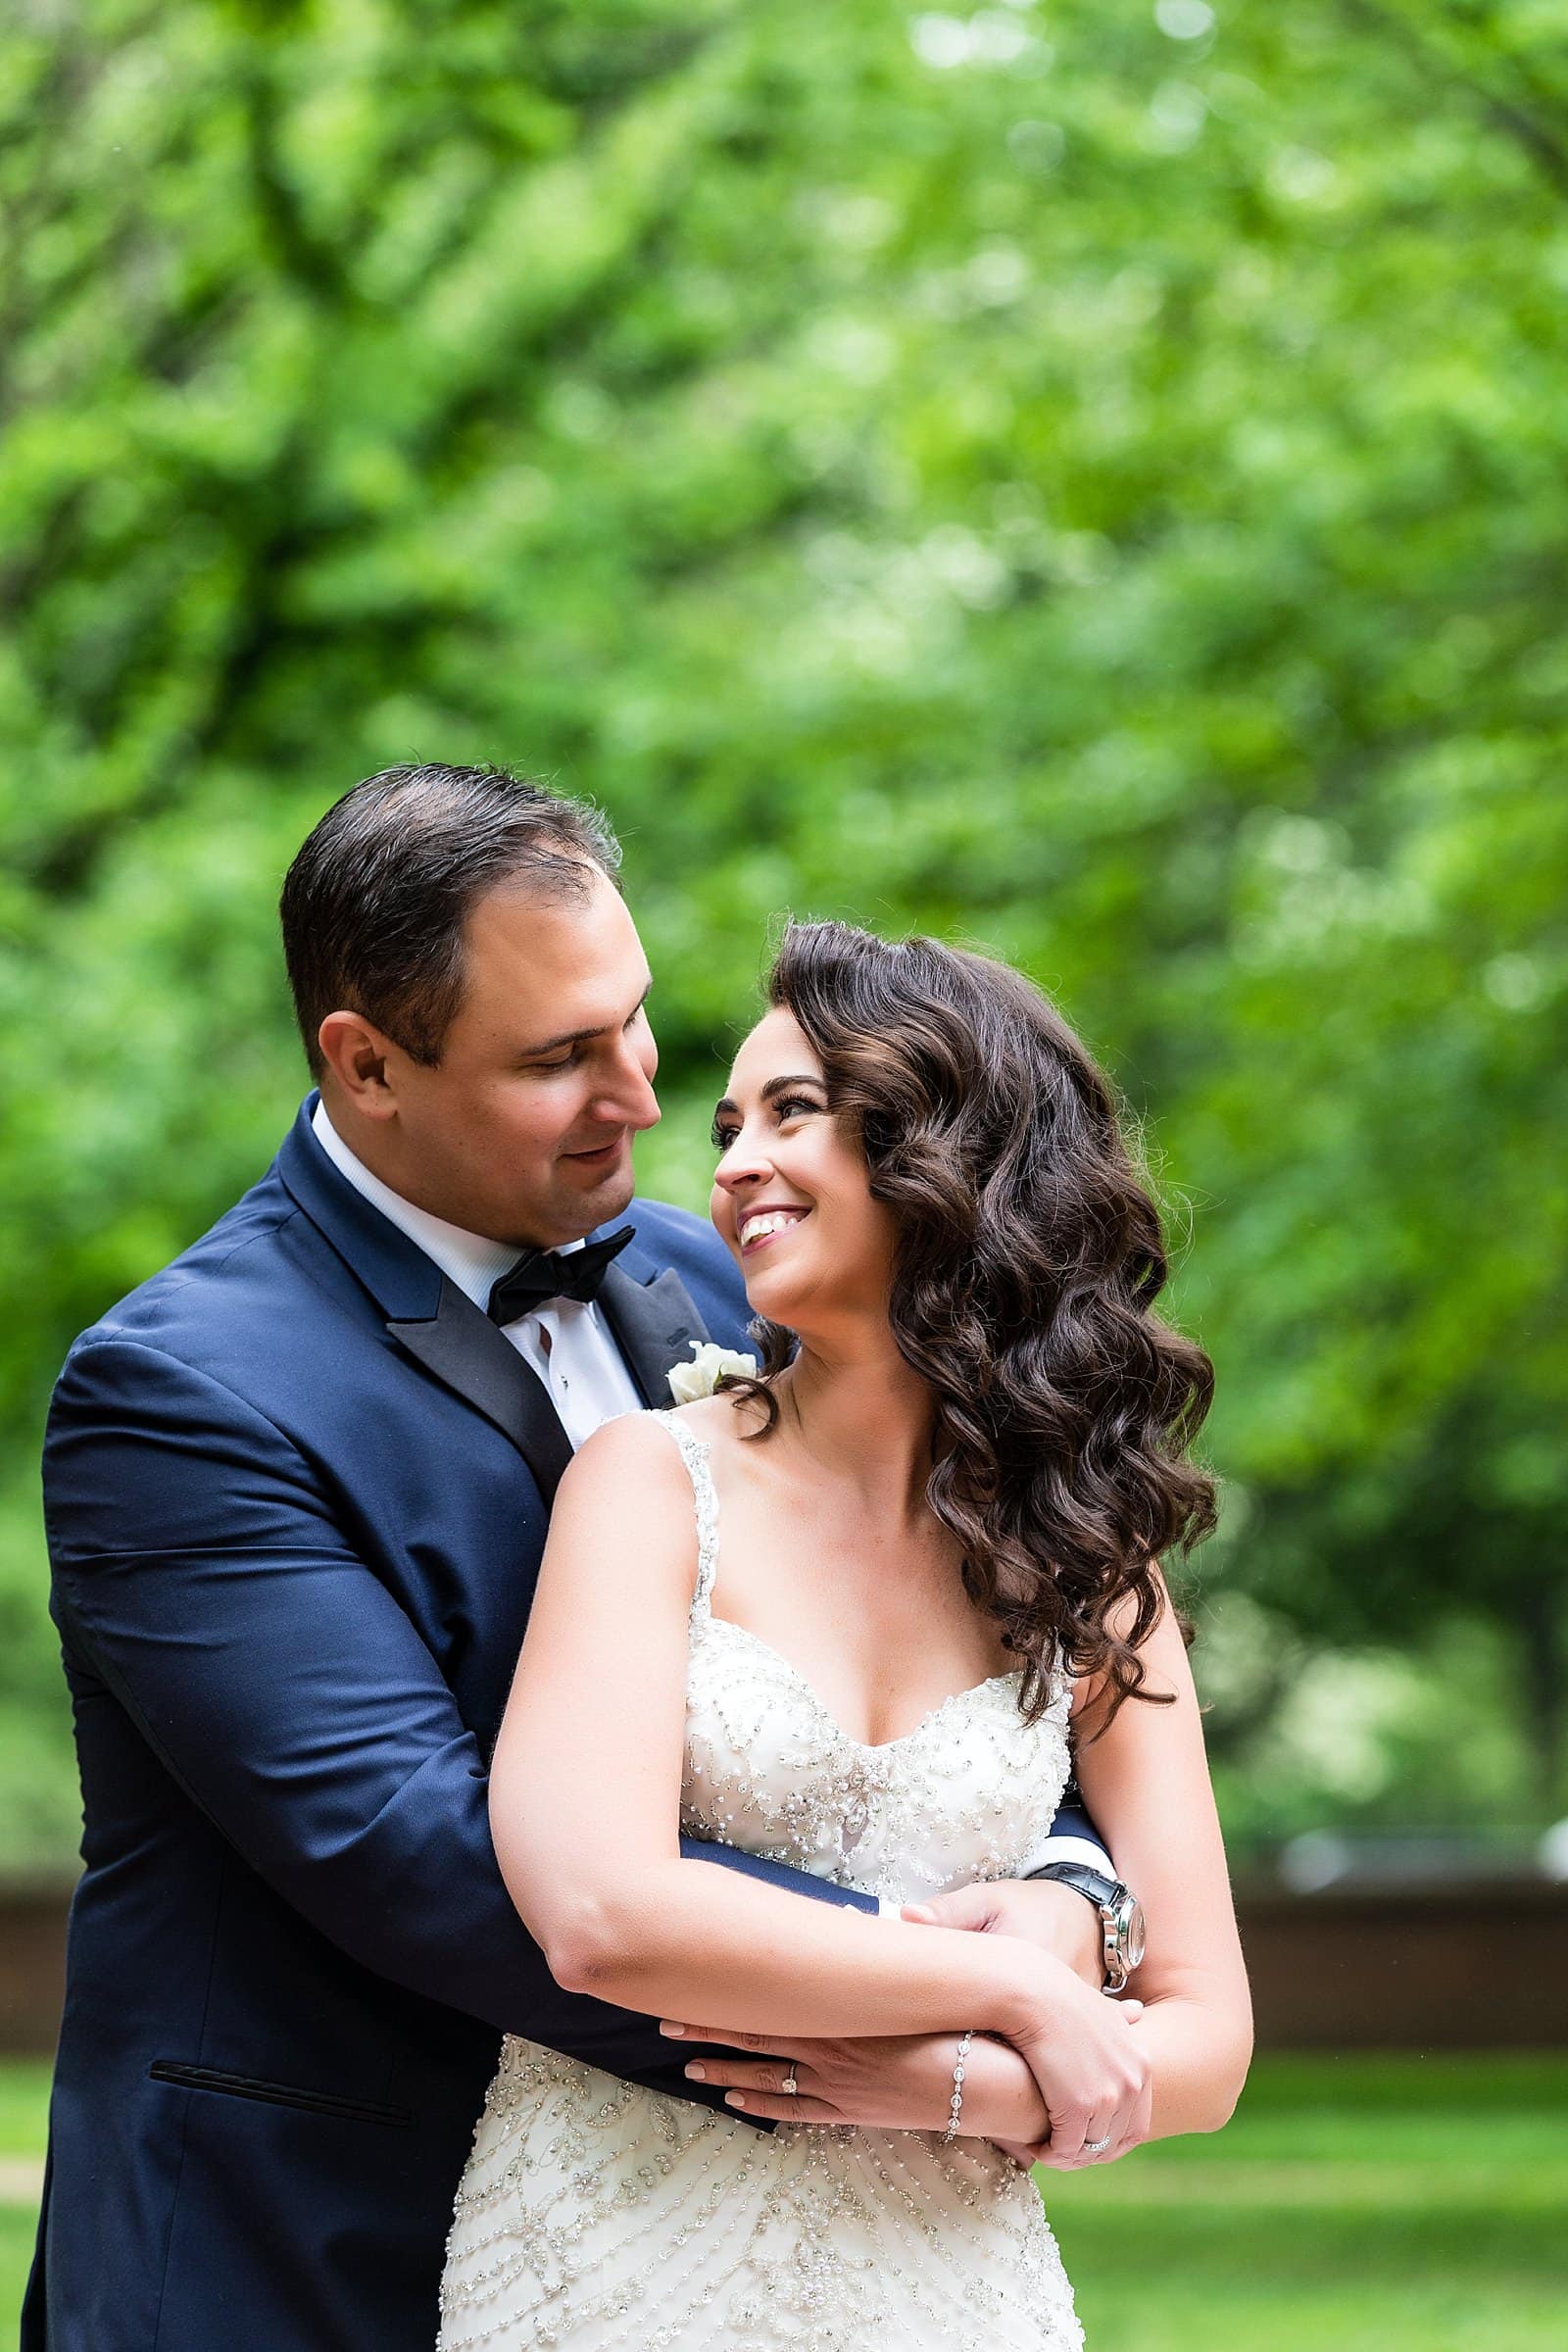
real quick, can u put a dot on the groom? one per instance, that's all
(297, 1488)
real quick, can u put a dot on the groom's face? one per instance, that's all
(523, 1131)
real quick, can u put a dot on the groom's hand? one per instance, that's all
(1042, 1912)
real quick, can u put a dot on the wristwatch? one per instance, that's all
(1121, 1916)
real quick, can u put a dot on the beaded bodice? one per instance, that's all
(967, 1795)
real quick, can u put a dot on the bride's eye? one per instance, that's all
(791, 1105)
(723, 1137)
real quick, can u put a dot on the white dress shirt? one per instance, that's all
(567, 1342)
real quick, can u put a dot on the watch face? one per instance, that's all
(1132, 1933)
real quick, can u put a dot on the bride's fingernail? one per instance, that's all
(676, 2033)
(697, 2074)
(732, 2099)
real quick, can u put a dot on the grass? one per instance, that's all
(1354, 2205)
(23, 2100)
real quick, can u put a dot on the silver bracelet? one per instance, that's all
(955, 2103)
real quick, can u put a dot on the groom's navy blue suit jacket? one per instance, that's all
(297, 1489)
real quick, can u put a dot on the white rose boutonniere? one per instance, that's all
(708, 1366)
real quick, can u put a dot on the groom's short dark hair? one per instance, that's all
(373, 906)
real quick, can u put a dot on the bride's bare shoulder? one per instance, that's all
(633, 1446)
(645, 1437)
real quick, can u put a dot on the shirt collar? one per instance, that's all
(468, 1259)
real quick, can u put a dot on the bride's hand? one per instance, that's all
(1083, 2050)
(893, 2083)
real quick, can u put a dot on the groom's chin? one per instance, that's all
(611, 1199)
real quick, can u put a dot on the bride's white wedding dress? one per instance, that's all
(593, 2213)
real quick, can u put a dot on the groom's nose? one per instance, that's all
(627, 1098)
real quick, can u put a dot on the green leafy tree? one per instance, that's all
(1086, 478)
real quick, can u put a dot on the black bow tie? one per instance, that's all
(541, 1275)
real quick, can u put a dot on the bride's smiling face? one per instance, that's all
(791, 1192)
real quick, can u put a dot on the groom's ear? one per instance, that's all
(362, 1061)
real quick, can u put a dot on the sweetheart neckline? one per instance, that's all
(869, 1747)
(701, 1602)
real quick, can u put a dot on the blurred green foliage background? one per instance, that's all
(1086, 478)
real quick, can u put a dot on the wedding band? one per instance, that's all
(1097, 2147)
(791, 2088)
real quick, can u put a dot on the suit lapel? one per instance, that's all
(650, 1312)
(655, 1323)
(464, 1349)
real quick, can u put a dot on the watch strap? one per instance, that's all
(1110, 1899)
(1093, 1885)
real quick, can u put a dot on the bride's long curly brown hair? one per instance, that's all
(1027, 1261)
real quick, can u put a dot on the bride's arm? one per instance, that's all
(584, 1805)
(1145, 1780)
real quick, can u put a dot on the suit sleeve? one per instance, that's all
(292, 1697)
(1071, 1837)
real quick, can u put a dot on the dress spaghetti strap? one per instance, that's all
(694, 1453)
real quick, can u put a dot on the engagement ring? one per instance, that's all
(1097, 2147)
(789, 2085)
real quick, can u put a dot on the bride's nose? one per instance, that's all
(743, 1163)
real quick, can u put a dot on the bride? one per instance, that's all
(856, 1614)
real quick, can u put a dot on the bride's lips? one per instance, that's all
(749, 1247)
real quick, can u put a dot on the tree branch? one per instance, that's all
(1546, 150)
